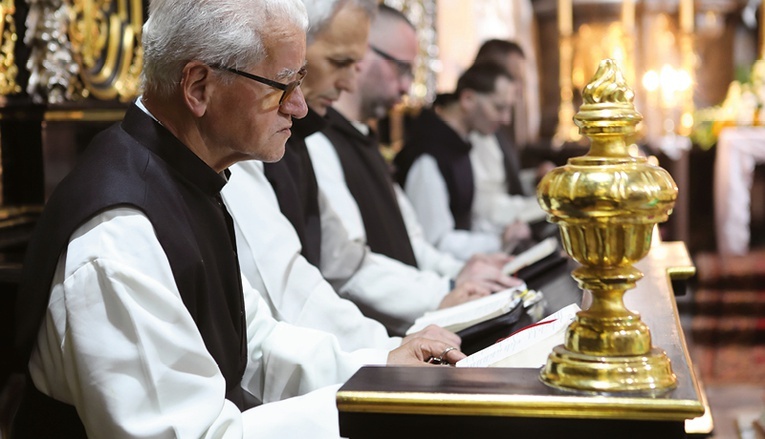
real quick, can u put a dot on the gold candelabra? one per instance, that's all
(606, 204)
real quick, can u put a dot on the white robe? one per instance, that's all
(270, 259)
(331, 179)
(387, 290)
(118, 343)
(426, 189)
(493, 207)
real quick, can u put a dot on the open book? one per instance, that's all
(536, 253)
(529, 347)
(459, 317)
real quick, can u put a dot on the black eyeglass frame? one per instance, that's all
(287, 89)
(404, 68)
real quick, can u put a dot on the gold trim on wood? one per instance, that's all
(531, 406)
(84, 115)
(8, 212)
(13, 216)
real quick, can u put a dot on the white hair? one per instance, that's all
(222, 32)
(320, 13)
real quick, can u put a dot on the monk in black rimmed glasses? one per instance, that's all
(404, 68)
(287, 89)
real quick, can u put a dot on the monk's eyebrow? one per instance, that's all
(344, 61)
(289, 73)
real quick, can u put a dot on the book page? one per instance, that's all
(466, 314)
(534, 254)
(529, 347)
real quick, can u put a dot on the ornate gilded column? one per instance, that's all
(565, 131)
(8, 38)
(606, 204)
(628, 28)
(688, 63)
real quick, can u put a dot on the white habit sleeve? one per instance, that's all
(269, 255)
(331, 179)
(385, 289)
(493, 207)
(118, 343)
(427, 191)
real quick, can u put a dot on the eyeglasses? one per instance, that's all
(287, 89)
(403, 68)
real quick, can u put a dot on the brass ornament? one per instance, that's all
(606, 204)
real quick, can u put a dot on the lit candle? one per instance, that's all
(565, 18)
(686, 16)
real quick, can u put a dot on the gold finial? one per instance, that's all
(608, 107)
(607, 204)
(608, 86)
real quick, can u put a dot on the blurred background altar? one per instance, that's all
(682, 57)
(69, 68)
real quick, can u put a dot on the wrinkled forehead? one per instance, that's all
(346, 35)
(286, 47)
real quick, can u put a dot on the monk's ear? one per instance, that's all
(198, 83)
(467, 99)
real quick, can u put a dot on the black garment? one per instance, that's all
(138, 163)
(370, 183)
(294, 182)
(431, 135)
(512, 164)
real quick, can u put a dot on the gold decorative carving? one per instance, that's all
(607, 204)
(8, 38)
(106, 39)
(88, 25)
(84, 48)
(565, 131)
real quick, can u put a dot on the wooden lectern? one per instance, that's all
(449, 402)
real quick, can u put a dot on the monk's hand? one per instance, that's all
(420, 351)
(464, 293)
(437, 333)
(485, 271)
